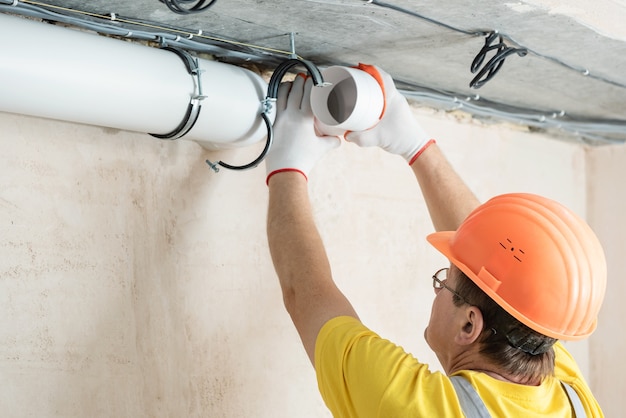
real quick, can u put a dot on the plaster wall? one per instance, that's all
(135, 282)
(606, 208)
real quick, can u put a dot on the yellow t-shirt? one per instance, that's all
(362, 375)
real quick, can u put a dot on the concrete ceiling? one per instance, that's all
(574, 72)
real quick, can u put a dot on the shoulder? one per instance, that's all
(338, 335)
(566, 370)
(371, 376)
(347, 334)
(565, 366)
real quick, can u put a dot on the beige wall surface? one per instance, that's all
(135, 282)
(607, 207)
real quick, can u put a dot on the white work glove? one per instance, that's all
(397, 131)
(297, 146)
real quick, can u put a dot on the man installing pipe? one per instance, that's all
(524, 273)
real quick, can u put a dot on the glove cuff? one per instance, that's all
(282, 170)
(421, 150)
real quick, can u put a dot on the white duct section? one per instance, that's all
(66, 74)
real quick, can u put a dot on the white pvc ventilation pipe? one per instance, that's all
(66, 74)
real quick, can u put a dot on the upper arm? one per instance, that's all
(312, 308)
(448, 198)
(309, 292)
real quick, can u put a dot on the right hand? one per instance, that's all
(397, 131)
(297, 146)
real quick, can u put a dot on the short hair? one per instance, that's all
(505, 341)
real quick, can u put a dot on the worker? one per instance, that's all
(524, 273)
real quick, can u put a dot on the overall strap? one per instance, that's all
(574, 399)
(474, 407)
(471, 404)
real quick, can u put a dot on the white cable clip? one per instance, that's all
(268, 104)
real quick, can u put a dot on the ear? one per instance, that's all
(471, 326)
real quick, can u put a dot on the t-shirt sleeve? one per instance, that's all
(360, 374)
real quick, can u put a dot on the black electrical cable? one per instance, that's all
(491, 67)
(183, 6)
(282, 69)
(194, 107)
(428, 19)
(257, 161)
(495, 63)
(272, 95)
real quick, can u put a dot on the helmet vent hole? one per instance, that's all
(508, 245)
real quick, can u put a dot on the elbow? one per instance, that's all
(289, 300)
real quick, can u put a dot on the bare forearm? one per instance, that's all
(296, 247)
(448, 198)
(300, 260)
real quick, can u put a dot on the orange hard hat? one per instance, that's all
(536, 259)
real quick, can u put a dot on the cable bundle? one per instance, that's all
(495, 63)
(188, 6)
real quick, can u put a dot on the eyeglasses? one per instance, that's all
(439, 282)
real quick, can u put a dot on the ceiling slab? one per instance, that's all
(575, 67)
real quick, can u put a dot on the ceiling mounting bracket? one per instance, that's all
(292, 44)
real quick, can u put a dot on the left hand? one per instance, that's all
(297, 145)
(398, 132)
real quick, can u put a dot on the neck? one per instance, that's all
(520, 380)
(477, 363)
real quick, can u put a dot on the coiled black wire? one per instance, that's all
(492, 66)
(183, 6)
(489, 70)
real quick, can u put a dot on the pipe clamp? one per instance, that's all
(195, 103)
